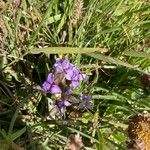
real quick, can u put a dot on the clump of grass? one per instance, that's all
(114, 38)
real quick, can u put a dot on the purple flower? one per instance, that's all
(62, 70)
(71, 72)
(62, 65)
(68, 91)
(74, 76)
(85, 102)
(49, 86)
(61, 105)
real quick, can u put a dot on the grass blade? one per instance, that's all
(17, 134)
(137, 54)
(65, 50)
(114, 61)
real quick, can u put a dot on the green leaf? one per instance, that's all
(137, 54)
(42, 108)
(114, 61)
(17, 134)
(65, 50)
(4, 134)
(53, 19)
(101, 145)
(48, 12)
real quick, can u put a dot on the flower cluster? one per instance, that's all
(64, 78)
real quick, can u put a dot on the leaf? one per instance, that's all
(42, 108)
(4, 134)
(137, 54)
(65, 50)
(47, 13)
(106, 97)
(53, 19)
(63, 20)
(114, 61)
(17, 134)
(101, 145)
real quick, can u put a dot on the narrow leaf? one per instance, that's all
(137, 54)
(65, 50)
(114, 61)
(17, 134)
(101, 145)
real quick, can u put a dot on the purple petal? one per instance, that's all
(85, 101)
(55, 89)
(75, 74)
(82, 76)
(50, 78)
(75, 70)
(58, 61)
(81, 106)
(65, 64)
(84, 104)
(89, 97)
(46, 86)
(66, 103)
(89, 106)
(62, 110)
(68, 91)
(58, 69)
(75, 84)
(82, 96)
(69, 74)
(62, 63)
(75, 77)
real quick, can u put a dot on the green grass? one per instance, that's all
(110, 43)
